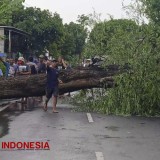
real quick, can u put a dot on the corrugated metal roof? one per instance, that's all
(15, 30)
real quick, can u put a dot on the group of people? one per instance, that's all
(44, 65)
(19, 67)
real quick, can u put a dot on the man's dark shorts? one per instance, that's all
(52, 91)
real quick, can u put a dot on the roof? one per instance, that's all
(16, 30)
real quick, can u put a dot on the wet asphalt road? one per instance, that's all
(72, 137)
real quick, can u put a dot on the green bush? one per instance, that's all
(2, 67)
(137, 91)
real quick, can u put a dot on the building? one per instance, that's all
(13, 41)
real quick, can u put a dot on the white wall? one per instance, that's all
(2, 40)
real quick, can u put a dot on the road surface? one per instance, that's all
(80, 136)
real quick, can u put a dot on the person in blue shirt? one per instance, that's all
(52, 84)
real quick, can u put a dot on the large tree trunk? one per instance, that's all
(75, 79)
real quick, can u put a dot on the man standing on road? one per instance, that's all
(52, 84)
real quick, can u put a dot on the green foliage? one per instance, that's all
(48, 32)
(83, 20)
(74, 41)
(7, 7)
(73, 60)
(45, 28)
(108, 37)
(2, 67)
(151, 9)
(137, 91)
(142, 9)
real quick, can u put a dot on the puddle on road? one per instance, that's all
(112, 128)
(105, 136)
(4, 125)
(7, 116)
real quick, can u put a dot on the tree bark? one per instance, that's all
(74, 79)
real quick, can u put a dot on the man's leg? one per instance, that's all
(55, 95)
(47, 98)
(54, 104)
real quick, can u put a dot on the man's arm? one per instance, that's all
(64, 63)
(60, 81)
(48, 63)
(26, 72)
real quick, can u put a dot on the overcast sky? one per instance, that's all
(70, 9)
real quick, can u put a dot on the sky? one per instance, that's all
(70, 9)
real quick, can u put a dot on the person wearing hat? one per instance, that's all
(21, 60)
(23, 69)
(52, 84)
(21, 64)
(41, 56)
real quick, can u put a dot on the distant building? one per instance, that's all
(13, 41)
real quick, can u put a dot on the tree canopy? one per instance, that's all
(151, 8)
(7, 7)
(46, 29)
(109, 37)
(75, 36)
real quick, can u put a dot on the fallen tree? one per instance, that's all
(74, 79)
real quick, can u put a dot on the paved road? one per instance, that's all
(72, 137)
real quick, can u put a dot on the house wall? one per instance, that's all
(2, 40)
